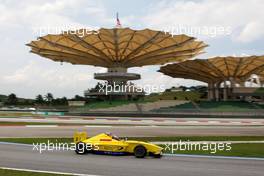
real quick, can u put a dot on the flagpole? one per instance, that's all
(118, 24)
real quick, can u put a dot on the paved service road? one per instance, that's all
(67, 131)
(67, 161)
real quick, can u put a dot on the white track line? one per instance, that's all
(190, 142)
(213, 122)
(100, 126)
(41, 126)
(216, 157)
(47, 172)
(17, 144)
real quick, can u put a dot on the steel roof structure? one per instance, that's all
(117, 47)
(216, 69)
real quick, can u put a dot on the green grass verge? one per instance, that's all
(26, 123)
(191, 95)
(8, 172)
(149, 139)
(259, 90)
(18, 114)
(232, 106)
(201, 138)
(240, 150)
(214, 106)
(64, 124)
(30, 123)
(185, 106)
(9, 117)
(109, 104)
(106, 104)
(36, 140)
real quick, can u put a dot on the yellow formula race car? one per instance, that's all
(107, 143)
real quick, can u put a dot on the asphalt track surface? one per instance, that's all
(137, 121)
(24, 157)
(137, 131)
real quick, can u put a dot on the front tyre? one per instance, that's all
(80, 148)
(140, 151)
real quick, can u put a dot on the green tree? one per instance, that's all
(78, 98)
(64, 101)
(49, 98)
(60, 101)
(39, 99)
(12, 99)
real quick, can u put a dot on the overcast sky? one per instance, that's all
(27, 75)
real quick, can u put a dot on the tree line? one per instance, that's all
(47, 99)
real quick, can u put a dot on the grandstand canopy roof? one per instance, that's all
(216, 69)
(261, 76)
(117, 47)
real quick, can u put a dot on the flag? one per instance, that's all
(118, 24)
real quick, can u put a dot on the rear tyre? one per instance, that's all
(80, 148)
(140, 151)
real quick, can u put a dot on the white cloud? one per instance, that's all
(59, 13)
(252, 31)
(240, 15)
(66, 80)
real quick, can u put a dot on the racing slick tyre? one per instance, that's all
(80, 148)
(140, 151)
